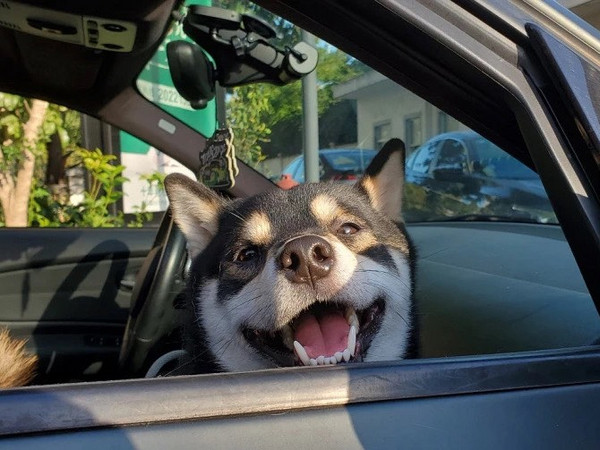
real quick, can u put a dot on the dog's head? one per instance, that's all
(318, 274)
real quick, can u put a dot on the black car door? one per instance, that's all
(67, 291)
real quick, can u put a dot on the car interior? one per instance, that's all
(102, 304)
(476, 279)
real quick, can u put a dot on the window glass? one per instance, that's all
(382, 134)
(453, 156)
(85, 173)
(413, 132)
(359, 109)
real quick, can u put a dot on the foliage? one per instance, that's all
(254, 110)
(156, 184)
(50, 201)
(246, 109)
(105, 180)
(14, 112)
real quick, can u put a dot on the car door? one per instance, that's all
(67, 290)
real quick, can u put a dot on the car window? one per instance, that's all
(452, 156)
(423, 158)
(85, 172)
(298, 174)
(492, 161)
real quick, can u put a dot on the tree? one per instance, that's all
(22, 130)
(257, 110)
(39, 142)
(246, 109)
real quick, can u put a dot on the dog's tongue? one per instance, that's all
(323, 334)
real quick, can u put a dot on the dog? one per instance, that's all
(319, 274)
(17, 366)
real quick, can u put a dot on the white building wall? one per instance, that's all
(387, 102)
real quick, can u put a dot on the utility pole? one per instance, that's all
(310, 112)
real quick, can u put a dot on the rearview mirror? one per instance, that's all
(192, 73)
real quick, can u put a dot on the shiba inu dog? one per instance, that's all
(17, 366)
(319, 274)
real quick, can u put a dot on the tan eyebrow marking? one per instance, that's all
(325, 209)
(257, 229)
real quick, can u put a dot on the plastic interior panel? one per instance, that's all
(499, 287)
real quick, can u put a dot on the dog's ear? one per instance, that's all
(195, 209)
(383, 181)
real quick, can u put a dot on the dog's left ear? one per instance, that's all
(383, 181)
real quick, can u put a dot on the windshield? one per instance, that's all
(359, 110)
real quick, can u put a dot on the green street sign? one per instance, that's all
(155, 83)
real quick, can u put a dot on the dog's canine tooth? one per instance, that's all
(352, 340)
(346, 355)
(288, 337)
(301, 353)
(351, 317)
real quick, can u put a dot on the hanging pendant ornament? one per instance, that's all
(218, 165)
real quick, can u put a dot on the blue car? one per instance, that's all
(340, 164)
(462, 173)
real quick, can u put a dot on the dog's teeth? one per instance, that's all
(320, 360)
(288, 337)
(333, 360)
(338, 356)
(313, 362)
(346, 355)
(351, 317)
(301, 352)
(352, 340)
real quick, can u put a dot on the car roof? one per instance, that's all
(463, 134)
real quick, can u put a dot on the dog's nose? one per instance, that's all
(306, 259)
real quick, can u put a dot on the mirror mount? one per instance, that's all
(242, 52)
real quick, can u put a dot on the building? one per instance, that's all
(385, 109)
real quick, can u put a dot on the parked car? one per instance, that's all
(508, 310)
(465, 174)
(340, 164)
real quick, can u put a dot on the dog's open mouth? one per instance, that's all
(323, 334)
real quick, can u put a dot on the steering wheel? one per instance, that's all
(153, 327)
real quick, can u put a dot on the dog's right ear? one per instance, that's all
(195, 209)
(383, 181)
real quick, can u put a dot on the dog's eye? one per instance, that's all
(246, 254)
(348, 229)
